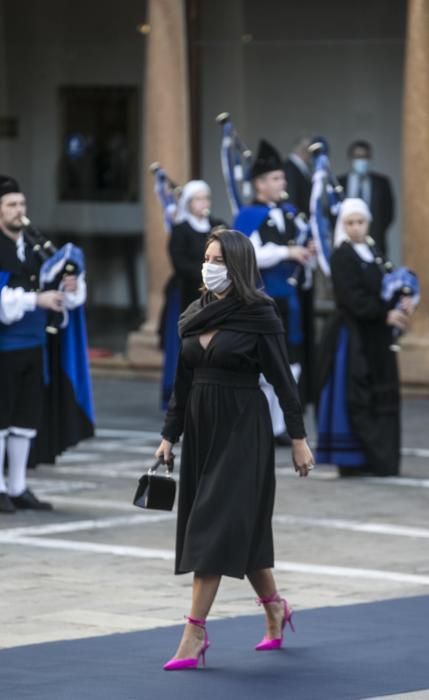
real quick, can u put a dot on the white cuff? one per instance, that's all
(14, 303)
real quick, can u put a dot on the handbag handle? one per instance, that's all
(169, 464)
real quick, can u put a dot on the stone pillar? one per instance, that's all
(166, 140)
(415, 355)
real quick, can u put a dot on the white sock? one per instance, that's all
(3, 488)
(18, 448)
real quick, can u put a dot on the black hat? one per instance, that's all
(8, 185)
(267, 159)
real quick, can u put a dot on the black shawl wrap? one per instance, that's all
(230, 313)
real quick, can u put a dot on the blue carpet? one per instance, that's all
(339, 653)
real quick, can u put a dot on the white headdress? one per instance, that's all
(352, 205)
(192, 188)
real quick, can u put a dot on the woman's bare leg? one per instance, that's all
(263, 582)
(204, 589)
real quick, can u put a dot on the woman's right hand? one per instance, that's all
(164, 450)
(398, 319)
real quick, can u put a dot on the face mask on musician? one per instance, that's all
(215, 277)
(360, 166)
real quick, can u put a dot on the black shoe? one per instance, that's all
(6, 505)
(28, 501)
(283, 440)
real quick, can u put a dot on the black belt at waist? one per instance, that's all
(226, 378)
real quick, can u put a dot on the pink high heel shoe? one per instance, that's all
(191, 662)
(269, 644)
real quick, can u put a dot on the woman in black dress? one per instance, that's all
(359, 400)
(227, 483)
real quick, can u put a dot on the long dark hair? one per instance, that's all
(240, 260)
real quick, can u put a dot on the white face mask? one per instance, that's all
(360, 166)
(215, 277)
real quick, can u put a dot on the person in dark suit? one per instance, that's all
(298, 175)
(373, 188)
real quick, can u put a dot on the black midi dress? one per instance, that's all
(227, 480)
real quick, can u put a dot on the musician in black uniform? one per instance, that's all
(23, 319)
(270, 223)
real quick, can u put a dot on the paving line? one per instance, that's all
(99, 504)
(125, 433)
(415, 452)
(111, 470)
(59, 485)
(168, 555)
(90, 524)
(398, 481)
(77, 457)
(350, 572)
(117, 470)
(355, 526)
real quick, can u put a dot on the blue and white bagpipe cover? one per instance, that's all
(236, 161)
(324, 207)
(69, 413)
(165, 191)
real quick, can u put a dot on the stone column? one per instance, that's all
(415, 189)
(166, 140)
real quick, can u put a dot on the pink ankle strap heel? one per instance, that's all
(191, 662)
(269, 644)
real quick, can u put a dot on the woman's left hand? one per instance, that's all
(302, 457)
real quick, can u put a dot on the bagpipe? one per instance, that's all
(168, 193)
(236, 161)
(326, 197)
(398, 282)
(68, 409)
(56, 264)
(303, 236)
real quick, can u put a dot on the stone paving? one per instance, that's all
(98, 565)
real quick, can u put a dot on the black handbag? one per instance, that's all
(157, 491)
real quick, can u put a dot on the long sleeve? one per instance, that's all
(175, 417)
(274, 363)
(351, 292)
(14, 303)
(268, 254)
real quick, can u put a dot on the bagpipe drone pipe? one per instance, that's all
(326, 197)
(397, 283)
(68, 415)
